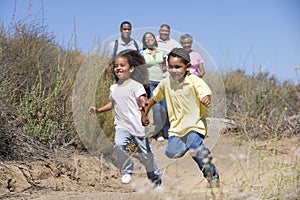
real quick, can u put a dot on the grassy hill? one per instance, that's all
(38, 75)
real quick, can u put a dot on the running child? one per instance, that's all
(187, 97)
(127, 96)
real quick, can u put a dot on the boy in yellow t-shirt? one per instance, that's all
(187, 97)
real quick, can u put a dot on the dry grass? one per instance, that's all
(36, 83)
(261, 107)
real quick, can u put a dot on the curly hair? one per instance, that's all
(136, 61)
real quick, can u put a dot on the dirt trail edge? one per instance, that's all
(83, 176)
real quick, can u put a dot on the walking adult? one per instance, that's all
(125, 41)
(156, 65)
(164, 41)
(197, 62)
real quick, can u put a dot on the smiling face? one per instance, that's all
(164, 33)
(186, 44)
(177, 68)
(122, 68)
(150, 40)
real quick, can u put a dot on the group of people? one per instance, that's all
(155, 50)
(173, 75)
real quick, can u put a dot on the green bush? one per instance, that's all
(37, 78)
(260, 106)
(36, 82)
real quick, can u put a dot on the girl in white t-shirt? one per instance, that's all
(127, 96)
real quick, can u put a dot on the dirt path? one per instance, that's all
(243, 167)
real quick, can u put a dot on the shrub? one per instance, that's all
(260, 106)
(36, 82)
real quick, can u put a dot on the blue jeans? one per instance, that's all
(160, 114)
(125, 163)
(178, 146)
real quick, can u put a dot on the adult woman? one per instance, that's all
(155, 61)
(196, 67)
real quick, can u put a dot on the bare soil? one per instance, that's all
(83, 176)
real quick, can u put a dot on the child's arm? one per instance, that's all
(145, 110)
(142, 101)
(205, 101)
(107, 107)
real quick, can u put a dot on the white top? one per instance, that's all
(125, 104)
(167, 45)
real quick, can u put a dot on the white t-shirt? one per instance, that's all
(125, 104)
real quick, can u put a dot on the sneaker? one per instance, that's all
(157, 182)
(126, 178)
(215, 183)
(160, 139)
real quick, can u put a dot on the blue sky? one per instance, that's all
(251, 35)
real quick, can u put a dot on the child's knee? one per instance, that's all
(175, 148)
(120, 145)
(204, 153)
(121, 142)
(173, 154)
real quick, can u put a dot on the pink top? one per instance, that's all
(196, 59)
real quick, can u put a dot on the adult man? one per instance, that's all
(164, 41)
(166, 44)
(124, 42)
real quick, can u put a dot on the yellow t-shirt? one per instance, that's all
(185, 111)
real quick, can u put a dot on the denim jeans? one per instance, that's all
(125, 163)
(178, 146)
(160, 114)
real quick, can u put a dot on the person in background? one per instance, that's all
(126, 97)
(155, 61)
(164, 41)
(123, 42)
(197, 62)
(187, 98)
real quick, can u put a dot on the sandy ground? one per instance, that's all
(82, 176)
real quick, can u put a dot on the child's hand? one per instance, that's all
(145, 120)
(92, 110)
(205, 101)
(143, 105)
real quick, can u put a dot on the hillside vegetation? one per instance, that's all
(36, 83)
